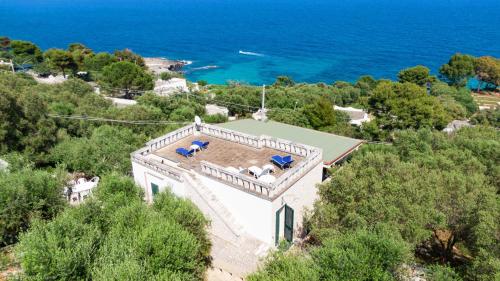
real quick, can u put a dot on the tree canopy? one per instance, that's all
(458, 69)
(419, 75)
(58, 59)
(127, 77)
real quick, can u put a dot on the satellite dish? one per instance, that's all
(197, 120)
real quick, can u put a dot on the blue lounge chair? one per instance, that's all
(288, 159)
(184, 152)
(282, 162)
(201, 144)
(278, 160)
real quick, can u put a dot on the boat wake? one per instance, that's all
(250, 53)
(204, 67)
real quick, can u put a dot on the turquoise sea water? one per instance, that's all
(310, 40)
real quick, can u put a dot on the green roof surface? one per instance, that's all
(334, 147)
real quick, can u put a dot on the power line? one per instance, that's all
(133, 122)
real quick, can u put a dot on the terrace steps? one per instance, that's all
(216, 207)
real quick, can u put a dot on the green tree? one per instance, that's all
(361, 255)
(26, 52)
(26, 195)
(320, 114)
(98, 61)
(284, 81)
(202, 83)
(458, 69)
(402, 106)
(127, 77)
(108, 149)
(487, 71)
(5, 43)
(58, 59)
(79, 53)
(451, 210)
(128, 55)
(289, 116)
(419, 75)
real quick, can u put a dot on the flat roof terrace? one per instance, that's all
(223, 153)
(334, 147)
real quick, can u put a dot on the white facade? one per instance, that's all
(357, 116)
(237, 204)
(173, 85)
(121, 102)
(213, 109)
(456, 125)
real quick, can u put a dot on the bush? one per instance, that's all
(116, 236)
(26, 195)
(108, 149)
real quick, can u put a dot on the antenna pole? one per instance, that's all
(263, 103)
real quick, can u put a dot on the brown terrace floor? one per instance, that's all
(223, 153)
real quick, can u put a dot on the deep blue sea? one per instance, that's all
(309, 40)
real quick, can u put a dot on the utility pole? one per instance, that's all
(263, 103)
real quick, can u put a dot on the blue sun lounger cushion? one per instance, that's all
(184, 152)
(278, 160)
(288, 159)
(201, 144)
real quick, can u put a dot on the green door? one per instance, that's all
(154, 189)
(288, 223)
(288, 229)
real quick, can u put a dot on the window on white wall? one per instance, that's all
(154, 189)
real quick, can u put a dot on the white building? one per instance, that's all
(356, 116)
(456, 125)
(213, 109)
(249, 213)
(80, 189)
(168, 87)
(120, 103)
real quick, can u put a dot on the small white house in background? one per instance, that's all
(456, 125)
(357, 116)
(260, 115)
(121, 102)
(251, 201)
(168, 87)
(213, 109)
(79, 189)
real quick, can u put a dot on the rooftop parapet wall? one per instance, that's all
(241, 181)
(230, 135)
(312, 157)
(170, 138)
(258, 142)
(295, 173)
(139, 157)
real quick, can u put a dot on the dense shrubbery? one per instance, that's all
(437, 193)
(27, 194)
(115, 235)
(359, 255)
